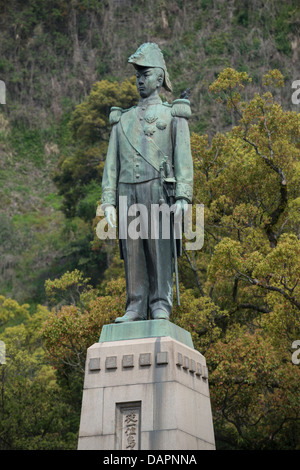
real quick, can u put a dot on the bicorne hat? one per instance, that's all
(150, 55)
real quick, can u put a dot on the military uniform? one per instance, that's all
(143, 137)
(151, 128)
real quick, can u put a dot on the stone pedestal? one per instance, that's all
(145, 393)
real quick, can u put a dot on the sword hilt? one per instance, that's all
(161, 178)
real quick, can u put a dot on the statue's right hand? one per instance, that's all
(110, 215)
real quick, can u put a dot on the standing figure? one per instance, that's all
(149, 161)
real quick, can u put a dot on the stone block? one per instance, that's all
(111, 362)
(162, 358)
(145, 359)
(151, 394)
(145, 329)
(127, 360)
(94, 363)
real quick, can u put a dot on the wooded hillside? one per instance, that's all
(64, 64)
(52, 52)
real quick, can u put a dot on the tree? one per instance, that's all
(249, 266)
(240, 294)
(255, 394)
(78, 177)
(11, 310)
(71, 329)
(35, 413)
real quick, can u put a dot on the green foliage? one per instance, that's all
(201, 317)
(88, 204)
(35, 414)
(28, 144)
(11, 310)
(254, 394)
(285, 24)
(249, 266)
(70, 331)
(239, 295)
(69, 287)
(89, 121)
(217, 43)
(77, 175)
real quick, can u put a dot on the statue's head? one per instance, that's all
(149, 62)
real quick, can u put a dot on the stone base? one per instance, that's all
(148, 394)
(145, 329)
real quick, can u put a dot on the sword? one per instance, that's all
(175, 258)
(164, 171)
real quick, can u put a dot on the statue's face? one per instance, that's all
(148, 80)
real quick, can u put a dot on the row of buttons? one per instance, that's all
(137, 155)
(137, 164)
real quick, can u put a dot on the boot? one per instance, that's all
(129, 316)
(159, 314)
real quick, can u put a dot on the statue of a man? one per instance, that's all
(149, 161)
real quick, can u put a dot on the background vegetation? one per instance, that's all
(64, 65)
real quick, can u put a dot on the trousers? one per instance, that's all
(148, 259)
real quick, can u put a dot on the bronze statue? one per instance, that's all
(149, 161)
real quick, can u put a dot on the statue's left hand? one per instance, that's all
(181, 207)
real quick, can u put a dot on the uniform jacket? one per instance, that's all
(141, 138)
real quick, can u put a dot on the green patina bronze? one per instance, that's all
(145, 329)
(149, 161)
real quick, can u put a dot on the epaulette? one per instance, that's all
(116, 113)
(181, 108)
